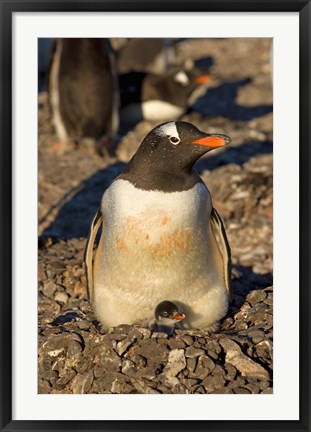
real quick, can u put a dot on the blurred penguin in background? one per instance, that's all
(154, 84)
(146, 96)
(147, 54)
(83, 92)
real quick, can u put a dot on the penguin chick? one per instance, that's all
(157, 97)
(167, 316)
(161, 236)
(83, 90)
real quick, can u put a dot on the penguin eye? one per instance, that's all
(165, 314)
(174, 140)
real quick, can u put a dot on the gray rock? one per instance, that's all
(267, 391)
(231, 372)
(213, 382)
(264, 351)
(212, 354)
(204, 367)
(255, 297)
(49, 288)
(121, 387)
(199, 390)
(65, 379)
(44, 387)
(269, 299)
(144, 386)
(186, 338)
(243, 364)
(194, 352)
(224, 390)
(241, 390)
(150, 349)
(61, 297)
(176, 363)
(157, 335)
(174, 343)
(123, 345)
(191, 363)
(81, 384)
(144, 331)
(74, 348)
(108, 359)
(252, 388)
(189, 383)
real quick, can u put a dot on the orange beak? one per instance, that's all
(202, 79)
(212, 141)
(179, 317)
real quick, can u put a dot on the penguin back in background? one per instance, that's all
(83, 89)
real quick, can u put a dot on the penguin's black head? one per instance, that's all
(168, 153)
(178, 145)
(167, 313)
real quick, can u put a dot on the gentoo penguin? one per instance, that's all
(154, 55)
(161, 236)
(157, 97)
(83, 89)
(167, 316)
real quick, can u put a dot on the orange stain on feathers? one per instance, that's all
(179, 240)
(121, 245)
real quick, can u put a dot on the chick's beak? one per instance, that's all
(179, 317)
(212, 141)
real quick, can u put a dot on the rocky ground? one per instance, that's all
(75, 354)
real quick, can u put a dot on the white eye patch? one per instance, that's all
(181, 78)
(169, 130)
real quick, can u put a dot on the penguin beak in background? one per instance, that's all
(202, 79)
(213, 141)
(179, 317)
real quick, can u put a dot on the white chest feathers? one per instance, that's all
(143, 217)
(153, 110)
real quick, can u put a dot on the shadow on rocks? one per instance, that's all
(76, 213)
(220, 101)
(244, 280)
(236, 155)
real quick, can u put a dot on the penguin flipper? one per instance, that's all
(88, 253)
(222, 240)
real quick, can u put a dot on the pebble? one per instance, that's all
(81, 384)
(187, 339)
(256, 296)
(213, 382)
(121, 387)
(241, 390)
(204, 367)
(123, 345)
(241, 362)
(107, 358)
(61, 297)
(176, 362)
(49, 288)
(267, 391)
(194, 352)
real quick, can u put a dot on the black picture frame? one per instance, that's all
(7, 9)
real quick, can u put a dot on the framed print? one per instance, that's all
(155, 215)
